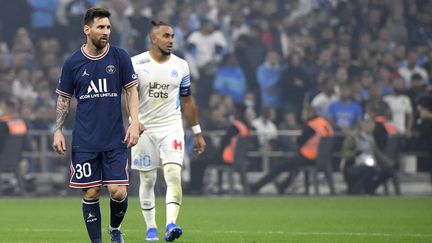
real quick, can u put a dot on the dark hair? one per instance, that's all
(160, 23)
(93, 13)
(425, 101)
(416, 76)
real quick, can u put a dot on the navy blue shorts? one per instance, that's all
(91, 169)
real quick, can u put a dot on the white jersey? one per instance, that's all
(160, 87)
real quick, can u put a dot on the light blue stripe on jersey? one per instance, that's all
(185, 81)
(178, 101)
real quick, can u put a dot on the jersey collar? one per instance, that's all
(95, 57)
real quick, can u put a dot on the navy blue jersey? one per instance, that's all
(97, 83)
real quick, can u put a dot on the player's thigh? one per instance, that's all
(86, 168)
(145, 154)
(115, 167)
(172, 147)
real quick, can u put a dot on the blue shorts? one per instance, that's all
(92, 169)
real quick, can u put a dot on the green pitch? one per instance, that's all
(248, 219)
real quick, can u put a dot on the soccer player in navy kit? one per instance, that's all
(96, 75)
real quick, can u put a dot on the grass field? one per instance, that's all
(248, 219)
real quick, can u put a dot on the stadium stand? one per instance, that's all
(362, 44)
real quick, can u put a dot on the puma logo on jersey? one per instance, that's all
(102, 86)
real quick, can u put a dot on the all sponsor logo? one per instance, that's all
(97, 89)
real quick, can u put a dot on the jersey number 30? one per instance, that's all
(83, 170)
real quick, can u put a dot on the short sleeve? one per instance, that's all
(65, 86)
(409, 108)
(185, 84)
(128, 75)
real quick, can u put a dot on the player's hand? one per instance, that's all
(141, 128)
(200, 144)
(59, 144)
(132, 135)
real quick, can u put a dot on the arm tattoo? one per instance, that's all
(62, 111)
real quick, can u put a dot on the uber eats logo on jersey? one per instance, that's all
(97, 89)
(157, 90)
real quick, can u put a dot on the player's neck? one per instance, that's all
(158, 56)
(92, 50)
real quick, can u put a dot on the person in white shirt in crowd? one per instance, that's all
(411, 67)
(400, 108)
(323, 99)
(266, 128)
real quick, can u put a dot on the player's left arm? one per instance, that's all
(132, 133)
(189, 110)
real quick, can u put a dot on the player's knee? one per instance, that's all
(148, 178)
(172, 173)
(117, 192)
(92, 193)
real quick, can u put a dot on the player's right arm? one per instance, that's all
(62, 110)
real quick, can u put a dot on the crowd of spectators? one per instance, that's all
(274, 56)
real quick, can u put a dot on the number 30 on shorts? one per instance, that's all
(83, 170)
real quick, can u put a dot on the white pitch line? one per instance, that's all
(292, 233)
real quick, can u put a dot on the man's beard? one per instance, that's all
(98, 44)
(165, 53)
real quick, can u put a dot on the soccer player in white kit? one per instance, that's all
(164, 90)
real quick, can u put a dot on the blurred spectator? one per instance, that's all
(294, 80)
(384, 80)
(224, 154)
(345, 113)
(325, 97)
(288, 122)
(313, 129)
(206, 44)
(383, 128)
(21, 86)
(43, 21)
(400, 108)
(411, 67)
(425, 123)
(417, 89)
(266, 128)
(250, 52)
(376, 101)
(230, 79)
(268, 77)
(365, 167)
